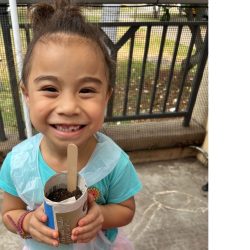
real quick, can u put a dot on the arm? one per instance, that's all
(103, 217)
(118, 215)
(14, 207)
(33, 223)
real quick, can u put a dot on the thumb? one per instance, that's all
(40, 213)
(91, 199)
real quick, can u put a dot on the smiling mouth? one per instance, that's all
(67, 128)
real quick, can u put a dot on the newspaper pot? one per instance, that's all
(64, 215)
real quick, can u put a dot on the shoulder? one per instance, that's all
(113, 149)
(123, 165)
(6, 182)
(110, 145)
(26, 149)
(106, 156)
(6, 162)
(28, 143)
(102, 138)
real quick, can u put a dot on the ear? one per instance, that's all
(25, 92)
(109, 94)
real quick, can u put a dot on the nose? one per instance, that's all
(68, 105)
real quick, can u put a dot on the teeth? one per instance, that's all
(65, 128)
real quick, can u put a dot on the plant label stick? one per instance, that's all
(72, 155)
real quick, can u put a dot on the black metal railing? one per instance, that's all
(130, 35)
(158, 84)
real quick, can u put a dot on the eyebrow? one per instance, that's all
(55, 79)
(90, 79)
(46, 77)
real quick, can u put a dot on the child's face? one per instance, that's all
(67, 90)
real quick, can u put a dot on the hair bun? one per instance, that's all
(57, 14)
(61, 4)
(40, 14)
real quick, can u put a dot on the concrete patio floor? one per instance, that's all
(172, 210)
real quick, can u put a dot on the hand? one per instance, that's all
(90, 224)
(34, 225)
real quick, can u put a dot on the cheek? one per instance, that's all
(34, 106)
(97, 110)
(38, 108)
(98, 114)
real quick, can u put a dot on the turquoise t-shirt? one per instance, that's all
(119, 185)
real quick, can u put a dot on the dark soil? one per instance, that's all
(63, 194)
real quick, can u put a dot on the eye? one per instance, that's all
(87, 91)
(49, 89)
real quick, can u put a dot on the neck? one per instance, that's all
(56, 158)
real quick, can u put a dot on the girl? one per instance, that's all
(66, 83)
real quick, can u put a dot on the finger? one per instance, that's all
(45, 239)
(93, 227)
(94, 214)
(40, 215)
(35, 225)
(86, 237)
(43, 229)
(42, 233)
(89, 218)
(88, 228)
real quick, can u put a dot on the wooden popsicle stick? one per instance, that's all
(72, 156)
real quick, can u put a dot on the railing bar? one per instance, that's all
(139, 24)
(170, 23)
(191, 45)
(197, 81)
(27, 33)
(171, 73)
(142, 3)
(143, 69)
(12, 72)
(2, 132)
(111, 100)
(145, 116)
(108, 41)
(126, 36)
(131, 49)
(163, 38)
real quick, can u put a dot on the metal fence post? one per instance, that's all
(197, 81)
(11, 69)
(2, 132)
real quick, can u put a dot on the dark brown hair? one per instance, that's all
(62, 17)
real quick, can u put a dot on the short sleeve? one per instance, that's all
(6, 183)
(124, 181)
